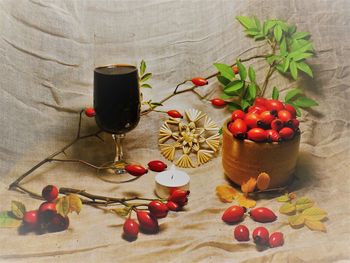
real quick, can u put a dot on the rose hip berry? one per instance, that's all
(90, 112)
(131, 228)
(238, 128)
(237, 114)
(58, 223)
(262, 215)
(274, 105)
(148, 222)
(241, 233)
(136, 170)
(284, 116)
(261, 236)
(233, 214)
(46, 211)
(293, 123)
(199, 81)
(267, 117)
(251, 119)
(291, 109)
(179, 197)
(173, 206)
(276, 124)
(174, 114)
(273, 136)
(31, 219)
(235, 69)
(158, 209)
(157, 166)
(276, 239)
(260, 101)
(286, 133)
(217, 102)
(257, 135)
(49, 193)
(258, 109)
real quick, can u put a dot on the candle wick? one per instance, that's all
(172, 176)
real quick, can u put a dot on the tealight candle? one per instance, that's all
(171, 179)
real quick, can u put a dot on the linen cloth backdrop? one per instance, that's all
(48, 50)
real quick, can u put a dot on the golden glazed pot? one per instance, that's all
(243, 159)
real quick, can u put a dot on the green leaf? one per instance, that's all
(297, 47)
(259, 37)
(296, 220)
(241, 70)
(299, 35)
(314, 214)
(233, 87)
(283, 198)
(275, 93)
(292, 29)
(292, 94)
(244, 104)
(252, 32)
(305, 102)
(283, 47)
(257, 23)
(297, 109)
(286, 64)
(145, 85)
(305, 68)
(287, 208)
(303, 203)
(225, 70)
(18, 209)
(8, 220)
(277, 31)
(272, 58)
(146, 77)
(252, 91)
(293, 69)
(301, 56)
(251, 74)
(224, 81)
(225, 96)
(233, 106)
(268, 25)
(142, 67)
(283, 25)
(247, 22)
(156, 104)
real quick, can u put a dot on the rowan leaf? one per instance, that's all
(303, 203)
(75, 203)
(226, 193)
(277, 31)
(223, 80)
(314, 214)
(305, 102)
(225, 70)
(315, 225)
(275, 93)
(146, 77)
(242, 71)
(142, 67)
(287, 208)
(292, 94)
(8, 220)
(247, 22)
(248, 186)
(283, 198)
(293, 69)
(145, 85)
(245, 201)
(251, 74)
(62, 205)
(296, 220)
(18, 209)
(233, 87)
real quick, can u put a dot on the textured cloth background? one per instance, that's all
(48, 50)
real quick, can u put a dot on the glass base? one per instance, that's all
(114, 172)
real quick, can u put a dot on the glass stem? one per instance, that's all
(118, 138)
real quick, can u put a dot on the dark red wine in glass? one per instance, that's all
(117, 104)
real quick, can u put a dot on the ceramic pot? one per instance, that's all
(243, 159)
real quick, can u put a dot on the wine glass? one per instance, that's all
(117, 105)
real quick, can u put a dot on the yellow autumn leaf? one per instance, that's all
(226, 193)
(62, 205)
(314, 214)
(249, 186)
(315, 225)
(287, 208)
(263, 181)
(75, 203)
(292, 195)
(303, 203)
(296, 220)
(245, 201)
(283, 198)
(121, 211)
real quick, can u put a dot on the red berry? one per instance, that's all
(251, 119)
(157, 166)
(131, 228)
(286, 133)
(46, 212)
(148, 222)
(260, 101)
(199, 81)
(274, 105)
(237, 114)
(276, 124)
(291, 109)
(261, 236)
(174, 114)
(49, 192)
(58, 223)
(173, 206)
(238, 128)
(241, 233)
(273, 136)
(276, 239)
(256, 109)
(267, 117)
(179, 197)
(90, 112)
(235, 69)
(233, 214)
(257, 135)
(293, 123)
(158, 209)
(31, 219)
(262, 215)
(136, 170)
(218, 102)
(284, 115)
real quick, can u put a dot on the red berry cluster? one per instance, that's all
(139, 170)
(235, 214)
(267, 120)
(46, 217)
(148, 220)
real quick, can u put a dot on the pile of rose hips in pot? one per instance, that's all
(261, 236)
(268, 120)
(156, 209)
(45, 218)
